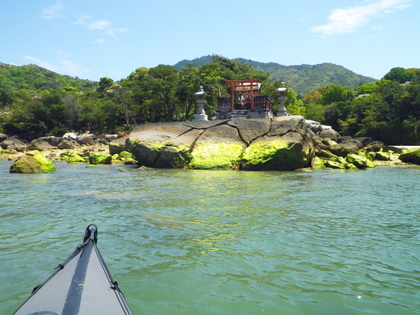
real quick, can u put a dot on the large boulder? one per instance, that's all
(39, 145)
(164, 145)
(52, 140)
(88, 139)
(218, 147)
(284, 143)
(330, 134)
(359, 161)
(116, 144)
(3, 137)
(349, 146)
(410, 156)
(13, 143)
(288, 145)
(67, 144)
(32, 162)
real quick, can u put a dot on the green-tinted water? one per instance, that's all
(222, 242)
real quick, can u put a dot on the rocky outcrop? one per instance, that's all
(32, 162)
(13, 143)
(281, 143)
(72, 148)
(410, 156)
(39, 145)
(284, 143)
(116, 143)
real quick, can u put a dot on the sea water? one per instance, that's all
(222, 242)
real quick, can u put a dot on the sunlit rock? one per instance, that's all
(32, 162)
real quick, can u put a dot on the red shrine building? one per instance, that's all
(245, 101)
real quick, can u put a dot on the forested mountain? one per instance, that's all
(303, 78)
(34, 78)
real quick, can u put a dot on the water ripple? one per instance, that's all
(223, 242)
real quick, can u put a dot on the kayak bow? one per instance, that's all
(81, 285)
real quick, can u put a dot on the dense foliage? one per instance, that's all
(388, 110)
(36, 102)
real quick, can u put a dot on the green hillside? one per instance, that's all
(303, 78)
(34, 78)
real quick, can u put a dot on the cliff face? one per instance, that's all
(286, 143)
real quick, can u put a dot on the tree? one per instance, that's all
(164, 82)
(399, 74)
(6, 96)
(336, 93)
(104, 83)
(189, 83)
(367, 88)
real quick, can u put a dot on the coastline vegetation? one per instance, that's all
(35, 102)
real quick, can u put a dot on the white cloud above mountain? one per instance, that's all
(342, 21)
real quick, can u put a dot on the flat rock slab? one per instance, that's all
(223, 143)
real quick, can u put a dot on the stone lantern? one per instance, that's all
(282, 99)
(201, 100)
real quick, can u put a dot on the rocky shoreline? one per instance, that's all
(283, 143)
(72, 148)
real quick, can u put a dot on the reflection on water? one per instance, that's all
(223, 242)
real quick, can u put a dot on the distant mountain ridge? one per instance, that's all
(303, 78)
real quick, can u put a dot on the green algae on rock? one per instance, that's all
(410, 156)
(96, 159)
(72, 157)
(359, 161)
(274, 154)
(215, 155)
(32, 162)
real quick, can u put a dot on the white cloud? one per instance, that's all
(348, 20)
(72, 68)
(98, 25)
(114, 31)
(53, 11)
(42, 63)
(105, 26)
(64, 67)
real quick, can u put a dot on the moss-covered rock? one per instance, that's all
(382, 156)
(125, 154)
(359, 161)
(410, 156)
(72, 157)
(273, 154)
(32, 162)
(335, 164)
(215, 155)
(331, 160)
(283, 143)
(96, 159)
(368, 155)
(123, 157)
(317, 163)
(6, 151)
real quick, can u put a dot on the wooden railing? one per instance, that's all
(261, 102)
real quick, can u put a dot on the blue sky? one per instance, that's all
(101, 38)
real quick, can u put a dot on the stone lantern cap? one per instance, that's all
(200, 93)
(282, 89)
